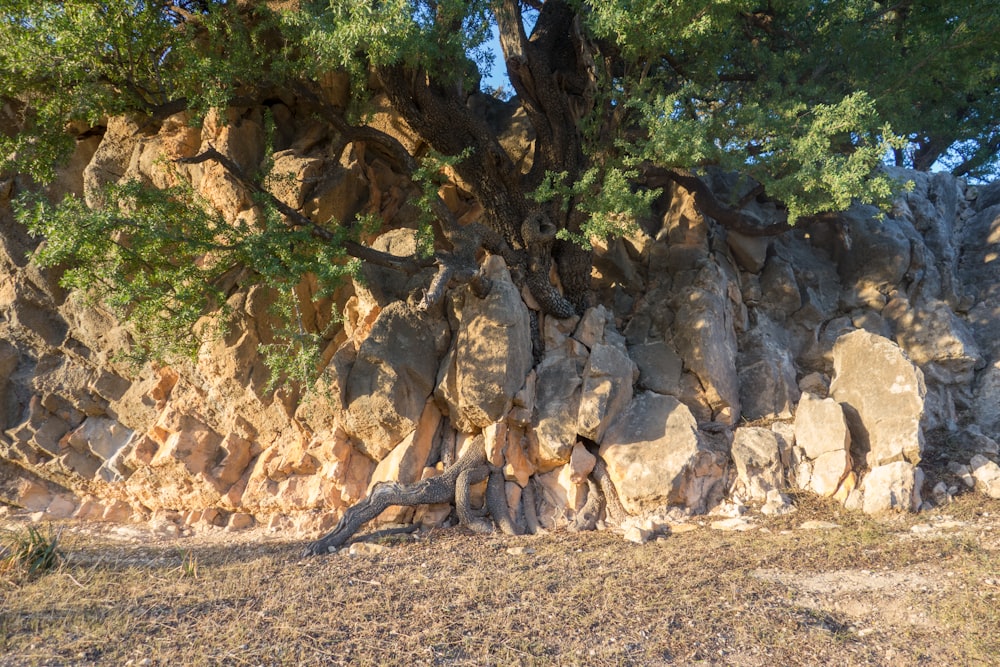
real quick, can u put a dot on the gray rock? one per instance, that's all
(935, 339)
(491, 355)
(655, 456)
(757, 455)
(882, 394)
(607, 389)
(706, 341)
(822, 445)
(986, 398)
(766, 372)
(659, 366)
(892, 487)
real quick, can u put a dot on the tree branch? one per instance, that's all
(407, 265)
(708, 203)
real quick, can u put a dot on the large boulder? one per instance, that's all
(757, 455)
(986, 398)
(766, 372)
(822, 452)
(655, 456)
(388, 385)
(882, 393)
(892, 487)
(491, 355)
(557, 404)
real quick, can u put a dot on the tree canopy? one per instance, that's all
(806, 99)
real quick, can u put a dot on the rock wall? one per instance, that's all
(855, 357)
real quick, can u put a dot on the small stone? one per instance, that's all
(520, 551)
(678, 528)
(637, 535)
(240, 521)
(815, 524)
(366, 549)
(734, 524)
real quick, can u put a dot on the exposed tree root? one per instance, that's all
(453, 486)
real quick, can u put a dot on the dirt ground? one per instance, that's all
(817, 586)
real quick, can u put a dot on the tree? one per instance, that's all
(805, 99)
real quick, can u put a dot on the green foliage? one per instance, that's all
(162, 260)
(28, 553)
(807, 98)
(786, 90)
(607, 196)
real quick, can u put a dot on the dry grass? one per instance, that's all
(452, 598)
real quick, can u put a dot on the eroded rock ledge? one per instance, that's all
(853, 357)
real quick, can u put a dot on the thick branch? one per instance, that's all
(440, 489)
(354, 249)
(707, 202)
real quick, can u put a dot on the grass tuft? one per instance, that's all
(28, 553)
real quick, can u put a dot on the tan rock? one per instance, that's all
(606, 390)
(824, 443)
(894, 487)
(581, 463)
(235, 459)
(406, 463)
(517, 467)
(496, 442)
(388, 385)
(655, 456)
(637, 535)
(240, 521)
(491, 355)
(883, 397)
(849, 484)
(557, 406)
(757, 455)
(557, 497)
(166, 380)
(366, 549)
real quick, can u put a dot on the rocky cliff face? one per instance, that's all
(855, 357)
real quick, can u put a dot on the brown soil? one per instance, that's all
(919, 589)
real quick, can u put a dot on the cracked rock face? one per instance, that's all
(697, 333)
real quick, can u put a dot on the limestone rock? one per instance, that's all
(557, 405)
(986, 397)
(882, 393)
(892, 487)
(935, 339)
(406, 463)
(766, 372)
(706, 341)
(757, 455)
(987, 475)
(655, 456)
(606, 390)
(822, 445)
(558, 497)
(659, 366)
(491, 355)
(389, 383)
(581, 463)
